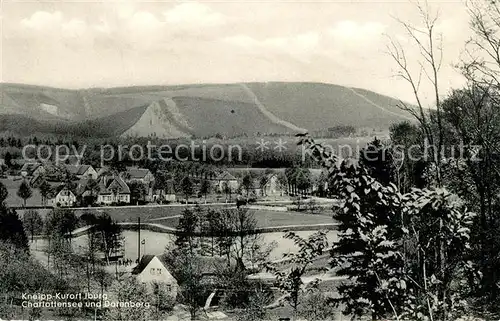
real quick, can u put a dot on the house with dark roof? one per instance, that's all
(167, 194)
(32, 169)
(135, 174)
(113, 190)
(82, 171)
(225, 179)
(153, 271)
(105, 170)
(255, 189)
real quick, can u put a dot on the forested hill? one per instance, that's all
(201, 110)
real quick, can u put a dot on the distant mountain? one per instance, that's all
(193, 110)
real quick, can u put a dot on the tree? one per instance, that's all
(3, 193)
(440, 226)
(69, 179)
(303, 180)
(24, 192)
(186, 264)
(481, 63)
(189, 224)
(109, 233)
(223, 231)
(161, 179)
(379, 161)
(409, 162)
(45, 190)
(189, 275)
(291, 174)
(205, 188)
(138, 192)
(255, 308)
(58, 244)
(210, 226)
(118, 165)
(21, 273)
(93, 188)
(226, 189)
(473, 113)
(247, 243)
(264, 179)
(90, 253)
(429, 44)
(61, 222)
(282, 183)
(33, 223)
(404, 252)
(186, 187)
(317, 305)
(290, 281)
(59, 225)
(8, 159)
(88, 218)
(247, 184)
(163, 301)
(12, 229)
(129, 290)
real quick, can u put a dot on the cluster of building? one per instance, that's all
(110, 188)
(114, 188)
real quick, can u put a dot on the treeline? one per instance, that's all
(243, 153)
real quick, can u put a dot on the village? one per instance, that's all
(250, 160)
(80, 185)
(126, 223)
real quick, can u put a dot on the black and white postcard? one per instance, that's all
(250, 160)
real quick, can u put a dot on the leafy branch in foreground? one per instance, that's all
(290, 280)
(402, 254)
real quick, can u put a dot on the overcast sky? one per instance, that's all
(94, 44)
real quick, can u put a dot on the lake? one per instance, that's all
(156, 243)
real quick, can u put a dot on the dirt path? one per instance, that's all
(273, 118)
(378, 106)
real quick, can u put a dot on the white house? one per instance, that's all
(65, 198)
(152, 271)
(272, 187)
(113, 190)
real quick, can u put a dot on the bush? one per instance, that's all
(312, 206)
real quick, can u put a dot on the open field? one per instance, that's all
(265, 218)
(168, 215)
(14, 200)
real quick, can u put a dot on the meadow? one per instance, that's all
(14, 200)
